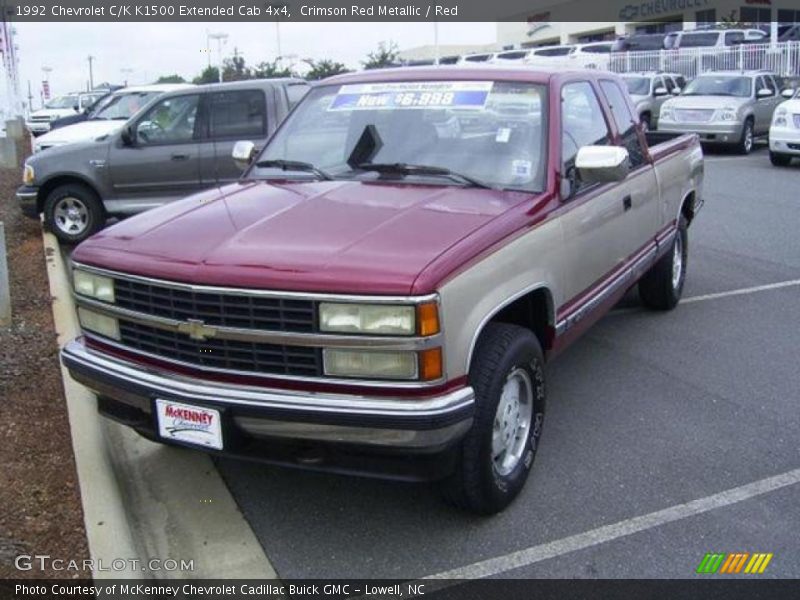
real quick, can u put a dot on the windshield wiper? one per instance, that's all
(407, 169)
(295, 165)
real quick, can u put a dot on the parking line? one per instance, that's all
(742, 291)
(607, 533)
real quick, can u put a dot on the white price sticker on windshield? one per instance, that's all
(412, 95)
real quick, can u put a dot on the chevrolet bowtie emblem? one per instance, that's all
(196, 329)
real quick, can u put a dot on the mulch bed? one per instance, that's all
(40, 506)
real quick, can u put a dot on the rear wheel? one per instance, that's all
(73, 212)
(662, 286)
(745, 145)
(497, 453)
(780, 160)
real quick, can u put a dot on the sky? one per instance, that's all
(155, 49)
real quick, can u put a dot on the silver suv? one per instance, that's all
(649, 90)
(724, 107)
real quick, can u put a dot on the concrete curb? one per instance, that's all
(143, 500)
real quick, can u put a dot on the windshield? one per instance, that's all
(638, 86)
(708, 85)
(125, 105)
(484, 130)
(63, 102)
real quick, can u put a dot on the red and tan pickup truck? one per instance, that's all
(380, 291)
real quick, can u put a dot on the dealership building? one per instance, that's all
(547, 25)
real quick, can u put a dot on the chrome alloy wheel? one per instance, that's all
(748, 137)
(677, 261)
(512, 421)
(71, 215)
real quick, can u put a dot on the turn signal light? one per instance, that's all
(430, 364)
(428, 319)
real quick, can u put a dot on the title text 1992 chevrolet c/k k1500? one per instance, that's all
(378, 294)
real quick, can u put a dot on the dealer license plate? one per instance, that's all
(189, 424)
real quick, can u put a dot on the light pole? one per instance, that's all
(126, 71)
(90, 58)
(221, 39)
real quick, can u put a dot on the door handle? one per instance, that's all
(627, 202)
(180, 157)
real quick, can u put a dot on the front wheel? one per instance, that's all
(780, 160)
(745, 145)
(73, 212)
(662, 286)
(497, 453)
(646, 122)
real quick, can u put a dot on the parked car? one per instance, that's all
(479, 57)
(83, 115)
(649, 91)
(724, 108)
(38, 122)
(715, 38)
(649, 43)
(380, 291)
(784, 133)
(701, 50)
(595, 55)
(511, 56)
(112, 115)
(176, 145)
(548, 56)
(639, 42)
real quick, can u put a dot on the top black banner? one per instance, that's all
(534, 12)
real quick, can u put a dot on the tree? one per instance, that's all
(320, 69)
(171, 79)
(731, 21)
(209, 75)
(266, 70)
(235, 69)
(387, 55)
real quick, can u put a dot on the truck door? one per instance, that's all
(162, 162)
(640, 188)
(232, 116)
(593, 217)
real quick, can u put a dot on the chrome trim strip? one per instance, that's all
(27, 195)
(626, 276)
(313, 296)
(286, 338)
(174, 385)
(376, 383)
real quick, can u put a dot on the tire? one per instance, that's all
(662, 286)
(780, 160)
(73, 212)
(646, 122)
(745, 144)
(485, 480)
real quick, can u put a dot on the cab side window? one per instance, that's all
(626, 123)
(582, 124)
(171, 121)
(238, 114)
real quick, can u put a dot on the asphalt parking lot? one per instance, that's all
(646, 413)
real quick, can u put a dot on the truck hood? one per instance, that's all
(79, 132)
(338, 236)
(714, 102)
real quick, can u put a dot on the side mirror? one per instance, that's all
(602, 164)
(126, 135)
(660, 91)
(764, 93)
(788, 93)
(243, 153)
(676, 91)
(76, 108)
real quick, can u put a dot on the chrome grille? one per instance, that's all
(223, 354)
(222, 310)
(693, 115)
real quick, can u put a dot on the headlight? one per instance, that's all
(666, 113)
(779, 120)
(370, 365)
(94, 286)
(378, 319)
(28, 175)
(102, 324)
(727, 114)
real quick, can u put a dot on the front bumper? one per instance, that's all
(38, 127)
(28, 197)
(784, 140)
(400, 438)
(715, 132)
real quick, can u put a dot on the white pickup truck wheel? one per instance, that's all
(662, 286)
(497, 453)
